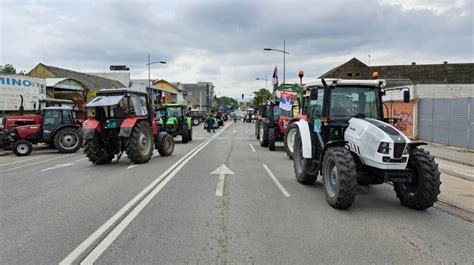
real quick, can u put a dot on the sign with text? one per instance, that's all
(12, 86)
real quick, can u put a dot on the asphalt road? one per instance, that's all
(57, 208)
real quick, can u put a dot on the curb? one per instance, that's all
(457, 174)
(454, 161)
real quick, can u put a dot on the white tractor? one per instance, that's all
(346, 140)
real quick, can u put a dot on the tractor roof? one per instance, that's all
(119, 91)
(179, 105)
(348, 82)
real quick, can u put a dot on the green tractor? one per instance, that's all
(173, 120)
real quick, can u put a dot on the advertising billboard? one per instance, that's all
(12, 86)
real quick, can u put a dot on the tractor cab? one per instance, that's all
(175, 120)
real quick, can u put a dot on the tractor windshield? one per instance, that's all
(347, 102)
(174, 112)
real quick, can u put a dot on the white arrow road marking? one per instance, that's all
(277, 183)
(253, 149)
(132, 166)
(57, 166)
(221, 171)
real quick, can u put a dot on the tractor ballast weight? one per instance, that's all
(346, 141)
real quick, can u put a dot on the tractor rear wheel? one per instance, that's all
(22, 148)
(257, 129)
(165, 144)
(339, 177)
(184, 134)
(423, 191)
(96, 152)
(289, 139)
(272, 138)
(196, 122)
(68, 140)
(190, 135)
(306, 170)
(263, 135)
(139, 146)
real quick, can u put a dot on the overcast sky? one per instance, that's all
(222, 41)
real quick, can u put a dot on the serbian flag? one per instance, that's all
(286, 100)
(275, 76)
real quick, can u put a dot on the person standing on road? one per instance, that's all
(210, 124)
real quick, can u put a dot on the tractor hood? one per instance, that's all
(377, 143)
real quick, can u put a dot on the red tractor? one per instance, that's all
(123, 120)
(56, 126)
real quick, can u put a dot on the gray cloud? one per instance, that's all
(223, 41)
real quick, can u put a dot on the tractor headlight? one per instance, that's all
(384, 148)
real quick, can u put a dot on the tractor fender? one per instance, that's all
(413, 145)
(89, 127)
(127, 126)
(305, 135)
(189, 122)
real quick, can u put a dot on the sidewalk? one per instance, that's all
(457, 174)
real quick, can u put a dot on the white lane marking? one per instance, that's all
(253, 149)
(1, 165)
(221, 171)
(111, 229)
(79, 160)
(132, 166)
(39, 162)
(57, 166)
(277, 183)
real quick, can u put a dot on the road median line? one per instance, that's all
(91, 248)
(277, 183)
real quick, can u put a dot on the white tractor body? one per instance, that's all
(377, 143)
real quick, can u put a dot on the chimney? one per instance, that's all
(413, 63)
(445, 62)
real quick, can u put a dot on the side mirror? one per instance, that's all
(406, 96)
(313, 94)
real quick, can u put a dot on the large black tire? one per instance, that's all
(263, 135)
(257, 130)
(306, 170)
(139, 146)
(423, 191)
(22, 148)
(184, 134)
(96, 152)
(272, 138)
(165, 144)
(190, 135)
(289, 139)
(339, 177)
(68, 140)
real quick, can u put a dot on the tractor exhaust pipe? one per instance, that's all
(22, 109)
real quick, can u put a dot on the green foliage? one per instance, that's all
(226, 101)
(261, 97)
(8, 69)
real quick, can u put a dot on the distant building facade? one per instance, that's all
(200, 95)
(441, 98)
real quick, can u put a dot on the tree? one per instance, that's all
(8, 69)
(261, 97)
(227, 101)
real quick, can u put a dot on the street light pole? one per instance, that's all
(150, 63)
(284, 58)
(266, 80)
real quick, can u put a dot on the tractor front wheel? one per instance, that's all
(184, 134)
(272, 138)
(289, 139)
(423, 191)
(22, 148)
(165, 144)
(96, 152)
(68, 140)
(263, 135)
(139, 146)
(305, 169)
(339, 177)
(257, 130)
